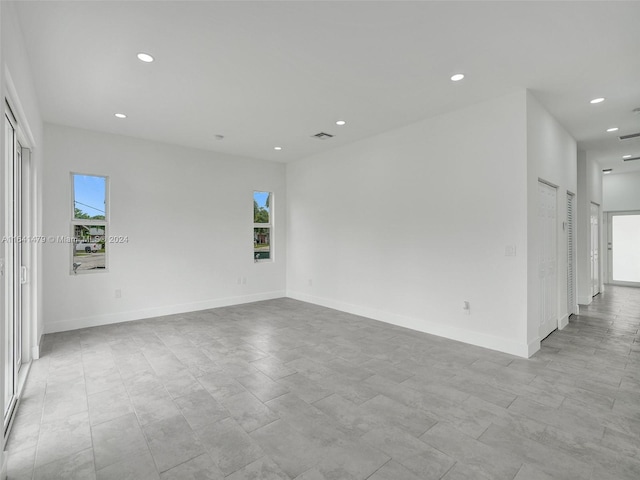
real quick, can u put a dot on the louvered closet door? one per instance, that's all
(547, 259)
(571, 282)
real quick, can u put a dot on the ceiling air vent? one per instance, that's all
(632, 158)
(627, 137)
(325, 136)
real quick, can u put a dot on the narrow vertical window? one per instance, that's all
(89, 223)
(262, 225)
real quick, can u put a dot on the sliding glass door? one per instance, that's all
(13, 272)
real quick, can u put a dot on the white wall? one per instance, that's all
(188, 216)
(621, 192)
(551, 154)
(589, 190)
(405, 226)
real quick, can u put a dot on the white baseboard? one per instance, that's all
(425, 326)
(533, 347)
(563, 322)
(586, 300)
(94, 321)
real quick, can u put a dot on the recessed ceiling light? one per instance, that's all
(120, 115)
(457, 77)
(277, 148)
(597, 100)
(341, 122)
(607, 170)
(626, 156)
(612, 129)
(145, 57)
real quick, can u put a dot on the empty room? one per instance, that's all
(320, 240)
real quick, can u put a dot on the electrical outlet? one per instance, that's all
(510, 251)
(310, 282)
(118, 293)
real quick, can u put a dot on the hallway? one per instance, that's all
(282, 390)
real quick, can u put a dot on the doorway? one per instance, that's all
(623, 244)
(547, 258)
(595, 249)
(572, 307)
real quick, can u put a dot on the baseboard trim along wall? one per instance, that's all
(564, 321)
(422, 325)
(76, 323)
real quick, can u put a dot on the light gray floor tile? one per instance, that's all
(117, 438)
(393, 471)
(293, 452)
(153, 405)
(273, 368)
(220, 386)
(261, 469)
(136, 467)
(262, 387)
(229, 445)
(419, 457)
(108, 405)
(62, 438)
(199, 468)
(248, 411)
(547, 459)
(78, 466)
(200, 408)
(21, 462)
(491, 461)
(172, 442)
(305, 388)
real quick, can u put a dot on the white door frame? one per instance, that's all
(594, 256)
(572, 292)
(547, 259)
(608, 218)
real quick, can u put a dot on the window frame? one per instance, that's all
(269, 225)
(89, 222)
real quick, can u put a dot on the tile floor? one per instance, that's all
(282, 390)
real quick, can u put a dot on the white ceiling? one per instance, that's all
(274, 73)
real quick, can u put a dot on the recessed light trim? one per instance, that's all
(145, 57)
(607, 171)
(626, 156)
(597, 100)
(120, 115)
(612, 129)
(277, 148)
(457, 77)
(341, 122)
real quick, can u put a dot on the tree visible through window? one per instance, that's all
(89, 223)
(262, 224)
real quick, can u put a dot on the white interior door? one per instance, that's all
(595, 248)
(547, 258)
(624, 248)
(571, 257)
